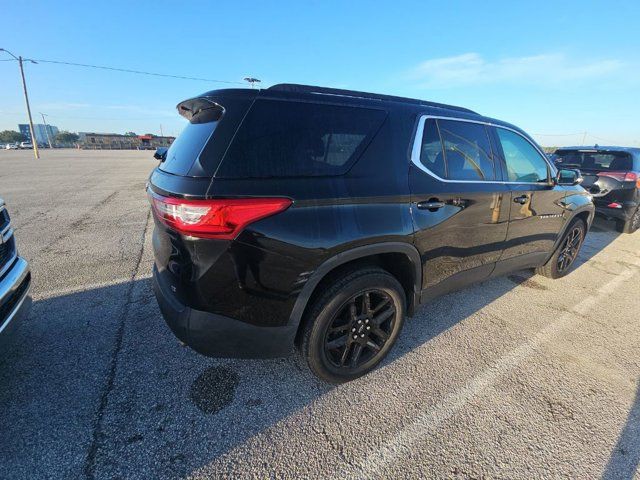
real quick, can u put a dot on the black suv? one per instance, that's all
(320, 217)
(612, 176)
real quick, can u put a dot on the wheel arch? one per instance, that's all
(396, 257)
(585, 214)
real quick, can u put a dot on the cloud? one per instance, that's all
(544, 69)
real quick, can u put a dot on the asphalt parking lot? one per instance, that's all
(517, 377)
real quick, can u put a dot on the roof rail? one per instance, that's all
(292, 87)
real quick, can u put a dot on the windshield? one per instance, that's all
(594, 160)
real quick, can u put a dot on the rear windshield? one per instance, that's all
(593, 160)
(284, 139)
(213, 120)
(187, 147)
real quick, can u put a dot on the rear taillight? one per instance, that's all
(220, 218)
(622, 176)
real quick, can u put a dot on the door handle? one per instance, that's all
(431, 205)
(522, 199)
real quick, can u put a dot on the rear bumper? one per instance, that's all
(14, 297)
(624, 213)
(217, 335)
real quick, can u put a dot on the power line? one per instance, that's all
(138, 72)
(557, 134)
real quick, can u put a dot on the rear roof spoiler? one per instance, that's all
(200, 110)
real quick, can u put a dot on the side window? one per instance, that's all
(285, 139)
(467, 150)
(524, 162)
(431, 153)
(457, 150)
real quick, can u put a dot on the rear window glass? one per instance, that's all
(283, 139)
(186, 148)
(467, 150)
(432, 155)
(466, 154)
(595, 160)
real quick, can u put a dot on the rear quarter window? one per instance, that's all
(285, 139)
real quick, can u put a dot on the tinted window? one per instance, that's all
(186, 148)
(467, 150)
(282, 139)
(594, 160)
(524, 162)
(431, 153)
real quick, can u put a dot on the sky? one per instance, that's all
(566, 72)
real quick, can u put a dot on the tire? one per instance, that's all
(630, 225)
(333, 330)
(565, 255)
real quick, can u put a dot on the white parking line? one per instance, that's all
(400, 445)
(83, 288)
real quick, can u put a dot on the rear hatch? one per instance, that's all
(185, 173)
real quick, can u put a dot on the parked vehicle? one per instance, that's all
(15, 278)
(319, 218)
(26, 145)
(11, 146)
(612, 176)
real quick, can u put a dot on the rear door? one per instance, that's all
(537, 211)
(458, 202)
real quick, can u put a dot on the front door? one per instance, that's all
(460, 208)
(537, 213)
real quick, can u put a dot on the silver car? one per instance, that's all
(15, 278)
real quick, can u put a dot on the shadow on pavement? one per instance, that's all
(624, 462)
(167, 411)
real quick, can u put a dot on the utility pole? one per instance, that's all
(584, 138)
(46, 130)
(34, 142)
(161, 134)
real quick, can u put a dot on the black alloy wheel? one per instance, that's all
(565, 254)
(570, 247)
(360, 329)
(353, 324)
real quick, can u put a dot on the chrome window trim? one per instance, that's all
(417, 146)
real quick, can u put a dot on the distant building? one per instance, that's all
(40, 131)
(115, 141)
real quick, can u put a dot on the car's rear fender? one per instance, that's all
(354, 257)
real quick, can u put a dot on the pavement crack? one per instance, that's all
(90, 460)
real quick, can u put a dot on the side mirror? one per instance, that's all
(570, 177)
(161, 154)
